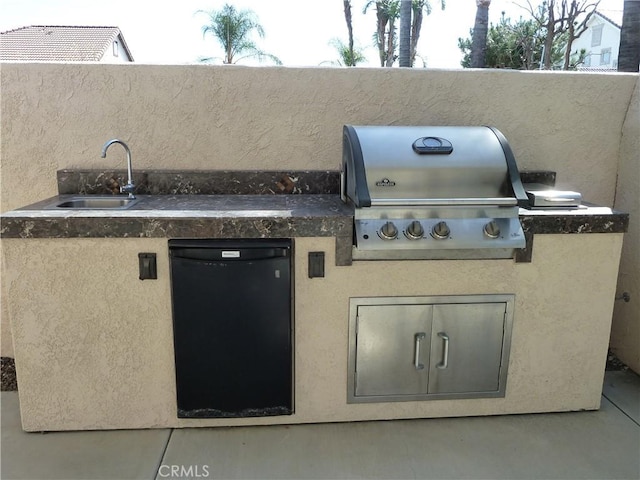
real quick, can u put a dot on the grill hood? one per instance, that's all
(432, 165)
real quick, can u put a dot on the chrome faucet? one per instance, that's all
(129, 187)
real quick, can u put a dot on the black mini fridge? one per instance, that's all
(232, 327)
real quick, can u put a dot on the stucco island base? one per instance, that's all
(94, 349)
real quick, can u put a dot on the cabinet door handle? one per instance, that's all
(445, 351)
(416, 361)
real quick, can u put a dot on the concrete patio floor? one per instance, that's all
(604, 444)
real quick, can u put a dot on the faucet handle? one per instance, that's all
(128, 188)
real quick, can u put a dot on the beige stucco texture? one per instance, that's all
(95, 349)
(625, 332)
(229, 117)
(57, 116)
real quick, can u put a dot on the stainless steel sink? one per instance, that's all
(98, 203)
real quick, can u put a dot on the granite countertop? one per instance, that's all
(249, 205)
(192, 216)
(230, 215)
(587, 218)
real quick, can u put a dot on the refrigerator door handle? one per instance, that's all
(229, 254)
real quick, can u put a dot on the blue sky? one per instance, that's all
(297, 31)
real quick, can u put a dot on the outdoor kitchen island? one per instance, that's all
(94, 343)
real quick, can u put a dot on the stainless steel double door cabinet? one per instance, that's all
(413, 348)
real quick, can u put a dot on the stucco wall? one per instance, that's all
(625, 331)
(107, 361)
(228, 117)
(59, 115)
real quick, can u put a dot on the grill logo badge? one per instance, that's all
(385, 182)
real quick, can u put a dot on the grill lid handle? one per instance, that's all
(432, 146)
(514, 174)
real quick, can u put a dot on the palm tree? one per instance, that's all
(387, 12)
(629, 52)
(232, 29)
(479, 36)
(404, 60)
(348, 56)
(418, 9)
(348, 19)
(394, 15)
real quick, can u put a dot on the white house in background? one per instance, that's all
(601, 40)
(49, 43)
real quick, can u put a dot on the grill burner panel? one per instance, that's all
(432, 193)
(460, 235)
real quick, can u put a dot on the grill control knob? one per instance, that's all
(440, 230)
(388, 231)
(492, 230)
(414, 230)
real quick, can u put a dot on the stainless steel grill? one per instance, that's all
(432, 192)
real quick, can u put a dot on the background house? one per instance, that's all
(64, 43)
(601, 41)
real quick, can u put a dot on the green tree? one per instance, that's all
(519, 46)
(629, 53)
(232, 29)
